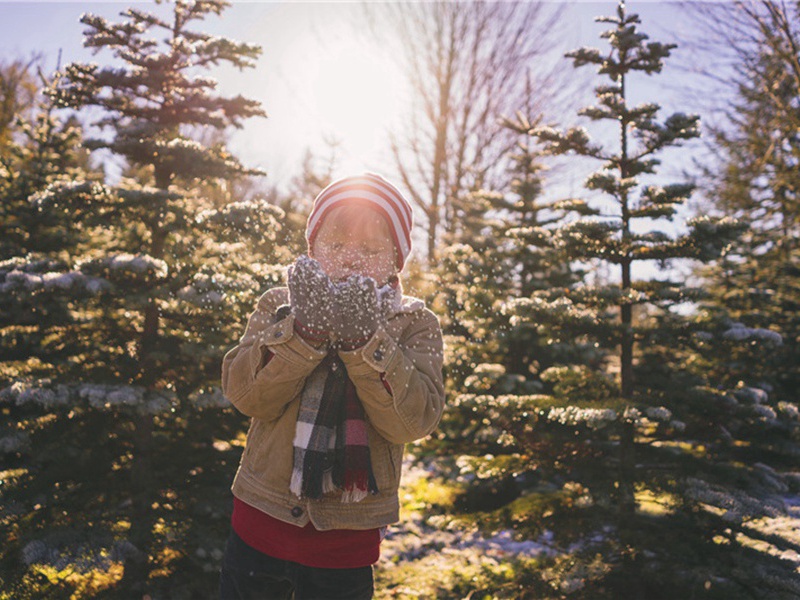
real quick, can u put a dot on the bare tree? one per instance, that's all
(468, 65)
(728, 39)
(754, 141)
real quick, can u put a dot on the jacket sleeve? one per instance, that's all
(266, 371)
(400, 382)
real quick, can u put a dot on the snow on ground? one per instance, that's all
(415, 537)
(784, 527)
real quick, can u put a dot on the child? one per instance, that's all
(337, 373)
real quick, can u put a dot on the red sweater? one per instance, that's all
(334, 549)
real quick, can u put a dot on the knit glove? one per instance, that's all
(389, 300)
(356, 311)
(311, 298)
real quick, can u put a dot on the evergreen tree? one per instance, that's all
(35, 280)
(623, 460)
(42, 149)
(502, 249)
(757, 181)
(129, 431)
(755, 290)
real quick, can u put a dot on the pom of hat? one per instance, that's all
(375, 192)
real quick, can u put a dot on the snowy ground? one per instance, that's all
(784, 527)
(416, 537)
(436, 551)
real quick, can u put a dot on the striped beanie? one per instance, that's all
(374, 192)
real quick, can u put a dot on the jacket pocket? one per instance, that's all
(386, 459)
(257, 448)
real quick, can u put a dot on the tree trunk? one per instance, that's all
(627, 476)
(138, 565)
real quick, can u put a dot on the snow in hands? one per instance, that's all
(346, 313)
(356, 312)
(310, 293)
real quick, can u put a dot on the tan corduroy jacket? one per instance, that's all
(406, 354)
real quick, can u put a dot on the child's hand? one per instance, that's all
(311, 298)
(356, 311)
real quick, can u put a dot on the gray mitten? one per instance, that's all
(311, 299)
(356, 311)
(390, 298)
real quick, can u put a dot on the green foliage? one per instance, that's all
(503, 249)
(598, 442)
(43, 151)
(161, 90)
(118, 323)
(621, 422)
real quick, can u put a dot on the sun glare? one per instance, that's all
(331, 84)
(356, 95)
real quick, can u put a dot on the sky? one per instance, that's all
(311, 52)
(321, 78)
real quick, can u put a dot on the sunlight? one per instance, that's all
(356, 96)
(328, 82)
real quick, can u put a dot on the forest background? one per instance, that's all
(608, 235)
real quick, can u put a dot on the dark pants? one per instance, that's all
(249, 574)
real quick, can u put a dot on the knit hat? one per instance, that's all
(374, 192)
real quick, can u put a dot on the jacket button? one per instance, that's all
(297, 511)
(377, 355)
(278, 334)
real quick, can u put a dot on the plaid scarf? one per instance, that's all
(330, 440)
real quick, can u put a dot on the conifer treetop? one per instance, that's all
(605, 231)
(630, 51)
(157, 87)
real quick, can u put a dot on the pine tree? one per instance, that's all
(155, 295)
(754, 292)
(42, 150)
(608, 234)
(502, 249)
(623, 458)
(36, 282)
(757, 181)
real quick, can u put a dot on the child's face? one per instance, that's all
(362, 246)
